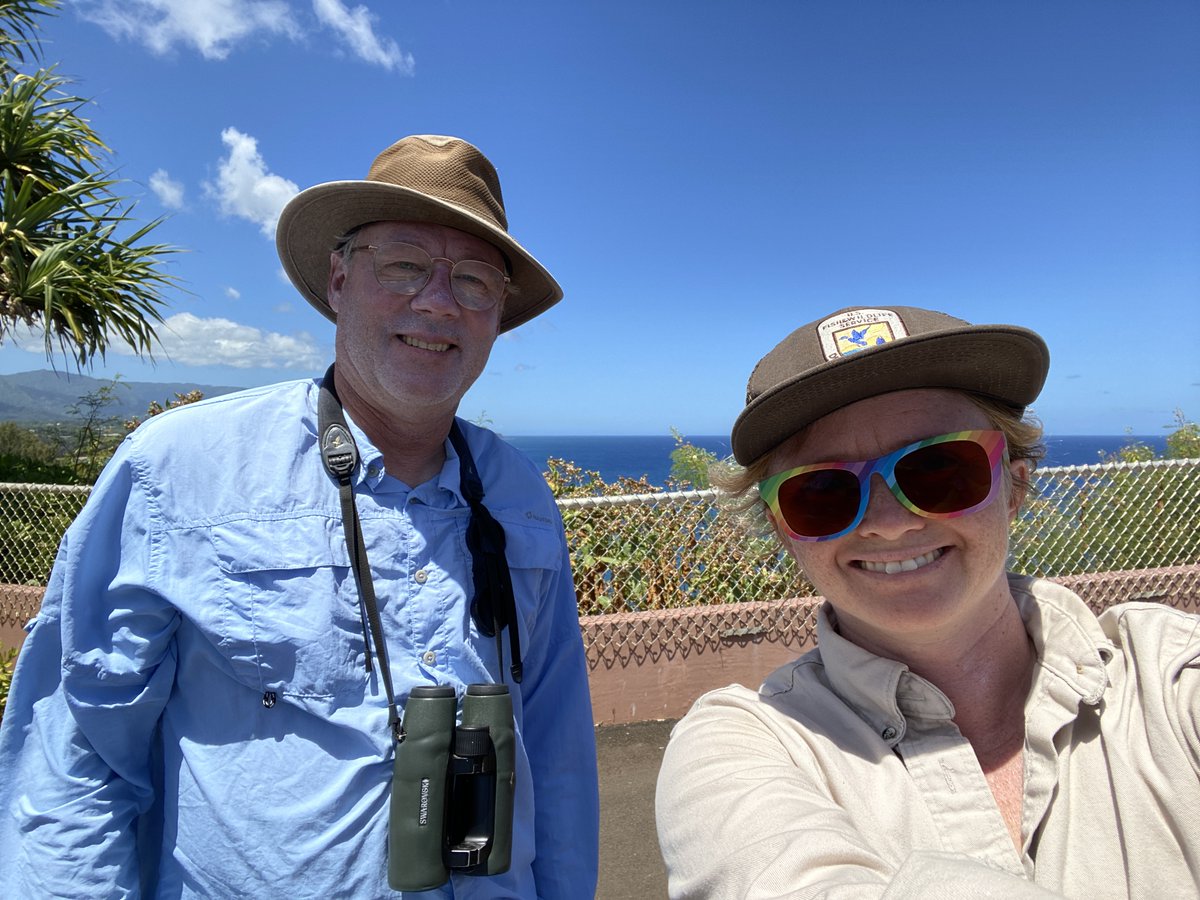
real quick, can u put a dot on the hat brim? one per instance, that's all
(315, 218)
(1004, 362)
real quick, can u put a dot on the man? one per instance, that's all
(206, 704)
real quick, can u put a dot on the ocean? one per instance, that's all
(636, 456)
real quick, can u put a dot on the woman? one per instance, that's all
(959, 731)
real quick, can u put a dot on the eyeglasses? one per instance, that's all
(405, 269)
(940, 477)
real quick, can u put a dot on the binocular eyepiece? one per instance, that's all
(452, 787)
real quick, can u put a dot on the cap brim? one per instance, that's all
(311, 223)
(1004, 362)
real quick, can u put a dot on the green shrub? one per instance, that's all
(635, 556)
(689, 464)
(1182, 443)
(8, 660)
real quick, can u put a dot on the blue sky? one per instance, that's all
(701, 177)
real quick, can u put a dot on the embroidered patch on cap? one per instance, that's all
(859, 329)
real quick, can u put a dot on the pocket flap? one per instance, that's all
(304, 542)
(531, 546)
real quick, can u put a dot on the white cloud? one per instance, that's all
(169, 192)
(356, 29)
(30, 339)
(245, 188)
(191, 341)
(212, 27)
(233, 293)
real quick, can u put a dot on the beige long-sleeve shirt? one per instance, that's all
(845, 775)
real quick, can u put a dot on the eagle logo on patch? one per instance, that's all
(859, 329)
(860, 338)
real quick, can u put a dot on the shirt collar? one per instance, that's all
(1070, 643)
(883, 691)
(449, 480)
(443, 491)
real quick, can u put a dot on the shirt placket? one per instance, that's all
(1050, 715)
(423, 610)
(947, 773)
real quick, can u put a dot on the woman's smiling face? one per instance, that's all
(899, 580)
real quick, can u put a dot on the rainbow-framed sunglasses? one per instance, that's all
(940, 477)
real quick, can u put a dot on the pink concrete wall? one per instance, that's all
(653, 665)
(666, 659)
(17, 602)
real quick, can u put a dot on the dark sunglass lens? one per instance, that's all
(814, 504)
(947, 477)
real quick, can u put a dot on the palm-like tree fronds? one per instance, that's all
(66, 265)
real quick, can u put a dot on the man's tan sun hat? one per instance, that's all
(421, 178)
(861, 352)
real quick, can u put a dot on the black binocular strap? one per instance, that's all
(339, 453)
(494, 605)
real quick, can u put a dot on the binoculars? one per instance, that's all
(452, 787)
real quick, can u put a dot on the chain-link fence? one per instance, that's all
(33, 518)
(1138, 518)
(661, 551)
(675, 550)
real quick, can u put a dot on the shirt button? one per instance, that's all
(421, 577)
(373, 471)
(429, 657)
(889, 733)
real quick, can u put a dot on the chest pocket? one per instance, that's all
(289, 621)
(535, 557)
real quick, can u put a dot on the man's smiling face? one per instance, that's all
(410, 356)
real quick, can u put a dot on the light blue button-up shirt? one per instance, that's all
(191, 714)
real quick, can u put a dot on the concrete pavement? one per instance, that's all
(630, 865)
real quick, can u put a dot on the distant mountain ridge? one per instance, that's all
(42, 397)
